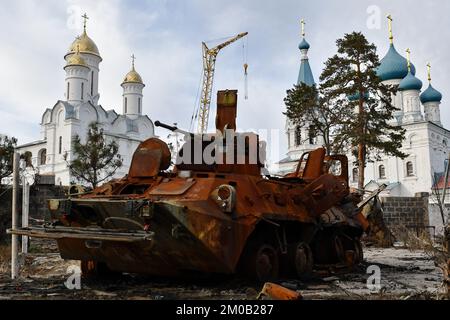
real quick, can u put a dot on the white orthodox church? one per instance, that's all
(427, 142)
(80, 107)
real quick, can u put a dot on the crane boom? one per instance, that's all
(209, 65)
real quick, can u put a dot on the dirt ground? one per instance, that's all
(405, 274)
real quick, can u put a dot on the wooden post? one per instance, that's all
(15, 219)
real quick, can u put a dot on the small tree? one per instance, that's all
(7, 146)
(367, 129)
(96, 160)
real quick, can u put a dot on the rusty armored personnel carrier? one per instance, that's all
(220, 216)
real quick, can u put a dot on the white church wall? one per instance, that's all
(92, 88)
(133, 99)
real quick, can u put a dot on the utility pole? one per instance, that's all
(445, 180)
(15, 219)
(176, 139)
(25, 210)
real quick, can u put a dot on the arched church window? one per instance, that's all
(409, 169)
(126, 105)
(139, 106)
(381, 172)
(311, 135)
(355, 175)
(92, 83)
(412, 140)
(42, 157)
(298, 136)
(82, 90)
(60, 117)
(68, 91)
(60, 145)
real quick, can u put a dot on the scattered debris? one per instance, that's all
(329, 279)
(104, 294)
(276, 292)
(405, 274)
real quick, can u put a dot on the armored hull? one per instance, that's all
(220, 217)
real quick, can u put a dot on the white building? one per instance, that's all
(80, 107)
(426, 140)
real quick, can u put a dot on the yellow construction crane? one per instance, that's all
(209, 64)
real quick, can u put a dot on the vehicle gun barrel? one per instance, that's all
(173, 128)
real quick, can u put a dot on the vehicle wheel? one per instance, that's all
(266, 263)
(359, 253)
(302, 259)
(338, 248)
(260, 262)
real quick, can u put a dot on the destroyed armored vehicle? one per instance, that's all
(213, 212)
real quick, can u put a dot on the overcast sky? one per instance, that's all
(166, 36)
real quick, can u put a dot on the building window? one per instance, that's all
(92, 83)
(298, 136)
(27, 158)
(409, 169)
(311, 135)
(60, 145)
(68, 91)
(139, 106)
(82, 91)
(355, 175)
(126, 105)
(42, 157)
(382, 172)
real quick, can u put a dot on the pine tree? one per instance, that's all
(350, 80)
(96, 160)
(7, 146)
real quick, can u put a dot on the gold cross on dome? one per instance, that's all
(133, 59)
(408, 58)
(303, 27)
(429, 71)
(391, 36)
(86, 18)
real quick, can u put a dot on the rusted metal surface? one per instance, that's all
(222, 217)
(58, 233)
(172, 187)
(151, 157)
(276, 292)
(226, 110)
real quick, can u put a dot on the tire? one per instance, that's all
(339, 249)
(301, 259)
(359, 252)
(261, 262)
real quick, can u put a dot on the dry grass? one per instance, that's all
(437, 252)
(5, 258)
(414, 241)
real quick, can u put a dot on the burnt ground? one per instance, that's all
(405, 274)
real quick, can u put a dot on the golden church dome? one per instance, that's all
(76, 59)
(133, 77)
(86, 44)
